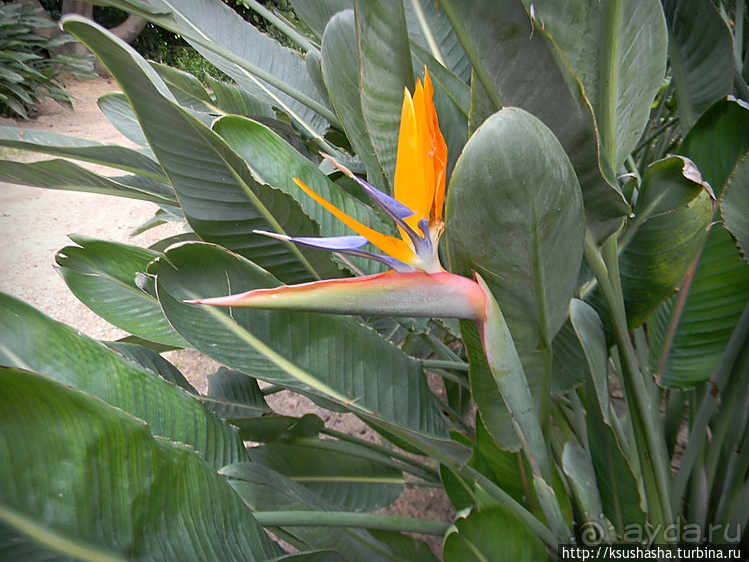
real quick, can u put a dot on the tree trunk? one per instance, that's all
(127, 30)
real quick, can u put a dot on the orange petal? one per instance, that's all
(439, 149)
(410, 174)
(392, 246)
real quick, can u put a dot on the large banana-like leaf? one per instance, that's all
(620, 495)
(91, 482)
(617, 49)
(513, 188)
(187, 90)
(235, 396)
(688, 333)
(236, 101)
(492, 533)
(117, 109)
(701, 53)
(517, 63)
(672, 218)
(317, 13)
(30, 340)
(429, 28)
(69, 176)
(718, 141)
(342, 73)
(117, 157)
(353, 483)
(273, 161)
(385, 59)
(220, 199)
(271, 73)
(331, 357)
(102, 275)
(735, 206)
(151, 359)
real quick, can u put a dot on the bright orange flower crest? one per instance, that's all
(419, 194)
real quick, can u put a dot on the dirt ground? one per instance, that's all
(35, 224)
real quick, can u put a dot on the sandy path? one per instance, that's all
(35, 224)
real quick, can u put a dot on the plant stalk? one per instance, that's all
(651, 447)
(351, 519)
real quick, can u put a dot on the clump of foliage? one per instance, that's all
(602, 212)
(29, 69)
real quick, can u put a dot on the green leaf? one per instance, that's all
(234, 100)
(271, 73)
(688, 333)
(233, 395)
(317, 13)
(265, 490)
(273, 161)
(672, 217)
(717, 142)
(117, 109)
(618, 486)
(513, 188)
(507, 370)
(735, 206)
(65, 175)
(220, 199)
(569, 365)
(518, 64)
(429, 29)
(618, 51)
(353, 483)
(581, 476)
(342, 73)
(269, 429)
(187, 89)
(328, 356)
(89, 481)
(701, 48)
(588, 327)
(494, 534)
(510, 471)
(616, 482)
(117, 157)
(385, 59)
(30, 340)
(151, 360)
(102, 275)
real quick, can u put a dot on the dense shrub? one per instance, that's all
(29, 70)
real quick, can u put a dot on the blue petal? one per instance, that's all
(390, 205)
(392, 263)
(398, 211)
(333, 243)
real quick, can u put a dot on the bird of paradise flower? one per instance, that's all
(417, 284)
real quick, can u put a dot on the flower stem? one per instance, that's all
(440, 364)
(350, 519)
(416, 468)
(650, 444)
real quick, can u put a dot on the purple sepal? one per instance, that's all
(333, 243)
